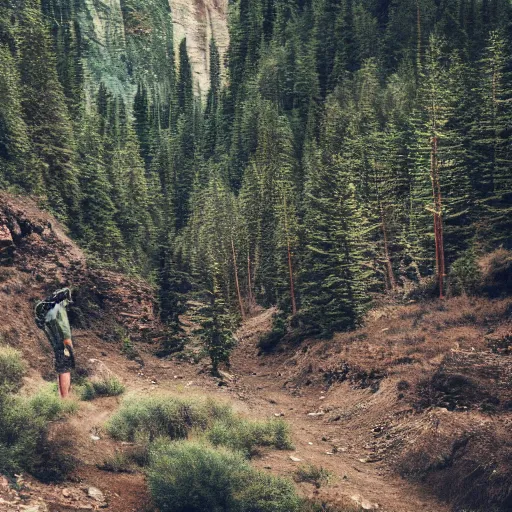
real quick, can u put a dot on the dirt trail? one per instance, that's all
(258, 391)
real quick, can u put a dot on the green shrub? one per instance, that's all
(191, 477)
(262, 492)
(159, 416)
(12, 368)
(129, 350)
(47, 404)
(315, 475)
(111, 386)
(194, 477)
(142, 420)
(246, 435)
(24, 441)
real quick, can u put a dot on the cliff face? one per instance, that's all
(128, 41)
(200, 21)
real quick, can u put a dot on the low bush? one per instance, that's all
(24, 434)
(312, 474)
(159, 416)
(195, 477)
(267, 493)
(192, 477)
(246, 435)
(12, 368)
(119, 462)
(111, 386)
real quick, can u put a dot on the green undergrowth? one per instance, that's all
(149, 418)
(12, 369)
(25, 441)
(110, 386)
(196, 454)
(196, 477)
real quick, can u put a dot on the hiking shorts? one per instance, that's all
(64, 363)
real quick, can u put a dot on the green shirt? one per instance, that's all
(57, 326)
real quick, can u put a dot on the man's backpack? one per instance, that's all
(43, 306)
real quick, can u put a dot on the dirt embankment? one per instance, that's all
(423, 390)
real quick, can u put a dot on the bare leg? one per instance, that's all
(64, 384)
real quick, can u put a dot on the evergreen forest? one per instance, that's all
(345, 148)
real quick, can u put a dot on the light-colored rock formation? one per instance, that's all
(199, 21)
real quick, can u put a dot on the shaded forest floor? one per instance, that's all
(412, 407)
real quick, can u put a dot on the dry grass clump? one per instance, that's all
(108, 386)
(312, 474)
(248, 436)
(496, 272)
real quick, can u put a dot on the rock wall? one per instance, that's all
(199, 21)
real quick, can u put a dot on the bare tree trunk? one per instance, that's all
(242, 311)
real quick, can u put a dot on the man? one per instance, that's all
(52, 317)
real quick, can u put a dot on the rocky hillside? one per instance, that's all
(37, 257)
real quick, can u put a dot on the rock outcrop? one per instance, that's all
(200, 21)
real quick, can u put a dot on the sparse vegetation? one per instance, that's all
(315, 475)
(12, 368)
(110, 386)
(25, 443)
(119, 462)
(129, 350)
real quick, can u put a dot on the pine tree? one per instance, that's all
(17, 165)
(491, 142)
(333, 275)
(98, 228)
(46, 114)
(211, 113)
(215, 331)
